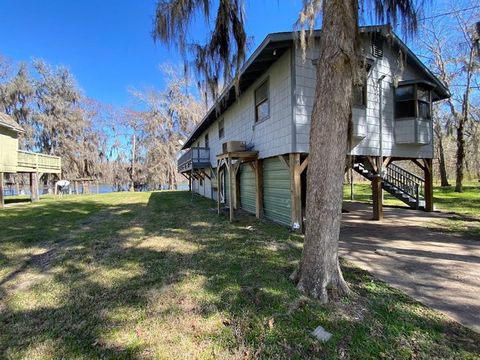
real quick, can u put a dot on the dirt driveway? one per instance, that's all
(440, 270)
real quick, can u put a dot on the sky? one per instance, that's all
(107, 44)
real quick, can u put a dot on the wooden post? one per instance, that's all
(351, 183)
(295, 190)
(34, 195)
(231, 190)
(428, 174)
(218, 187)
(377, 197)
(237, 185)
(2, 200)
(259, 188)
(191, 182)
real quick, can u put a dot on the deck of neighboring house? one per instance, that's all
(34, 162)
(13, 160)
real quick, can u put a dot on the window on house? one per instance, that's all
(360, 95)
(423, 97)
(206, 141)
(262, 102)
(412, 101)
(377, 46)
(221, 130)
(360, 91)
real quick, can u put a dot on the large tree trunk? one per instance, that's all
(460, 157)
(319, 272)
(463, 121)
(441, 156)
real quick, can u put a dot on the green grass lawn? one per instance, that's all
(466, 205)
(155, 275)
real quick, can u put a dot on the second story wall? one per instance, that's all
(367, 119)
(8, 150)
(270, 137)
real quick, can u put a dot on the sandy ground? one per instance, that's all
(438, 269)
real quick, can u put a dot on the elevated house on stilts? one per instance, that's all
(251, 150)
(13, 160)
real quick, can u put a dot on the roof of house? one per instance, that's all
(273, 47)
(8, 122)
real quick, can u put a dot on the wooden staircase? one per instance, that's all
(401, 183)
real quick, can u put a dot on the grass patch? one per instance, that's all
(155, 275)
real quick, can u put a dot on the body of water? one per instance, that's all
(11, 190)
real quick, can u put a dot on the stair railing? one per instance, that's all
(404, 180)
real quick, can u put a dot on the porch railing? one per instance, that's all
(404, 180)
(30, 161)
(194, 156)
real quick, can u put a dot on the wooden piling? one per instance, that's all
(428, 176)
(377, 197)
(296, 190)
(259, 188)
(34, 195)
(2, 200)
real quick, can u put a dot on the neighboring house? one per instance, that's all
(271, 115)
(13, 160)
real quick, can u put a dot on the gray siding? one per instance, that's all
(270, 137)
(206, 188)
(276, 191)
(247, 188)
(367, 120)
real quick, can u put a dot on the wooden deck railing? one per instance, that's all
(35, 162)
(194, 156)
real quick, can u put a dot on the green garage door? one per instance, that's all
(276, 191)
(247, 188)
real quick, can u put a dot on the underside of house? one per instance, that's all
(251, 150)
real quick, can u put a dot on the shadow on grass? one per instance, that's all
(16, 200)
(245, 266)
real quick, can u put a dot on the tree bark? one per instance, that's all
(319, 272)
(441, 156)
(462, 122)
(460, 157)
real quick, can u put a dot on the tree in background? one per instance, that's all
(451, 46)
(64, 128)
(168, 116)
(57, 118)
(338, 69)
(16, 97)
(441, 125)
